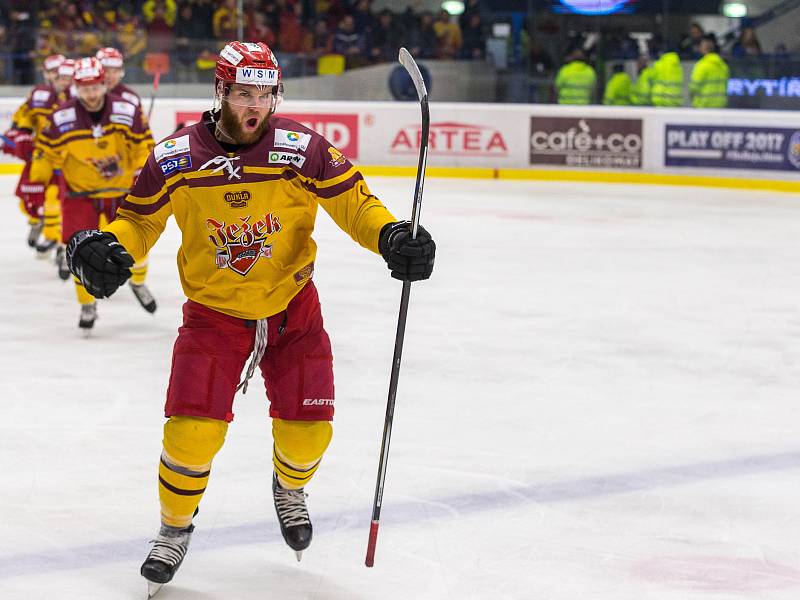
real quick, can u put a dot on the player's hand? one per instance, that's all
(9, 145)
(99, 261)
(408, 260)
(23, 145)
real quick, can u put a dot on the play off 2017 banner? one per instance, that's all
(577, 142)
(756, 148)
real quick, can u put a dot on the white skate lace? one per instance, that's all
(169, 550)
(259, 347)
(291, 506)
(223, 162)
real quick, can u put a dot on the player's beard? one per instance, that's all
(229, 123)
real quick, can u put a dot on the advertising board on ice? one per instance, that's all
(755, 148)
(586, 142)
(451, 139)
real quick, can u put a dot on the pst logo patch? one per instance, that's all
(176, 163)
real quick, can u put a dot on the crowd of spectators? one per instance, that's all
(183, 36)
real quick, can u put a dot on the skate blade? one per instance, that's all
(299, 555)
(153, 589)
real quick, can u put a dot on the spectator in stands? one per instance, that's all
(385, 38)
(539, 60)
(709, 84)
(449, 35)
(258, 30)
(225, 21)
(747, 44)
(349, 43)
(291, 33)
(474, 39)
(322, 41)
(422, 40)
(159, 17)
(364, 20)
(641, 94)
(690, 42)
(667, 89)
(619, 88)
(576, 80)
(131, 41)
(21, 44)
(471, 7)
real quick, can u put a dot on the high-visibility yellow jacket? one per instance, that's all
(641, 94)
(667, 87)
(709, 85)
(618, 90)
(575, 83)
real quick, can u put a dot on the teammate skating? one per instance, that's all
(244, 186)
(99, 142)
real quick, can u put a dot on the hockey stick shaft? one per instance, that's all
(156, 79)
(408, 62)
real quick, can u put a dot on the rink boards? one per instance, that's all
(741, 148)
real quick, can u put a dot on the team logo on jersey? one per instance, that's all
(237, 199)
(240, 244)
(293, 140)
(175, 163)
(108, 166)
(337, 158)
(179, 145)
(287, 158)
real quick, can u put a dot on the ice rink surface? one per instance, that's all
(598, 400)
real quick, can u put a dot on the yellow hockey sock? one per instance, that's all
(298, 450)
(190, 444)
(84, 297)
(139, 272)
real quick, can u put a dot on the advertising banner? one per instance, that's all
(752, 148)
(577, 142)
(341, 130)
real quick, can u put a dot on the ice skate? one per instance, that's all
(88, 317)
(61, 262)
(290, 505)
(144, 297)
(44, 248)
(34, 233)
(166, 556)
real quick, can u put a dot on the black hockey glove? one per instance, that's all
(408, 260)
(99, 261)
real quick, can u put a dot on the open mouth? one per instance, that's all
(251, 123)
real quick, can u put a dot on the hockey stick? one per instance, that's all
(408, 62)
(156, 79)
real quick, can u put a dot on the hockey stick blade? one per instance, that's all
(410, 65)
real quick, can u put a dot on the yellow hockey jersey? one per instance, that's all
(97, 159)
(247, 217)
(33, 114)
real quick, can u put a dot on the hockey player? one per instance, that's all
(27, 121)
(244, 186)
(114, 66)
(97, 142)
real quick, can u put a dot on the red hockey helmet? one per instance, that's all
(66, 68)
(110, 58)
(89, 71)
(249, 64)
(53, 61)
